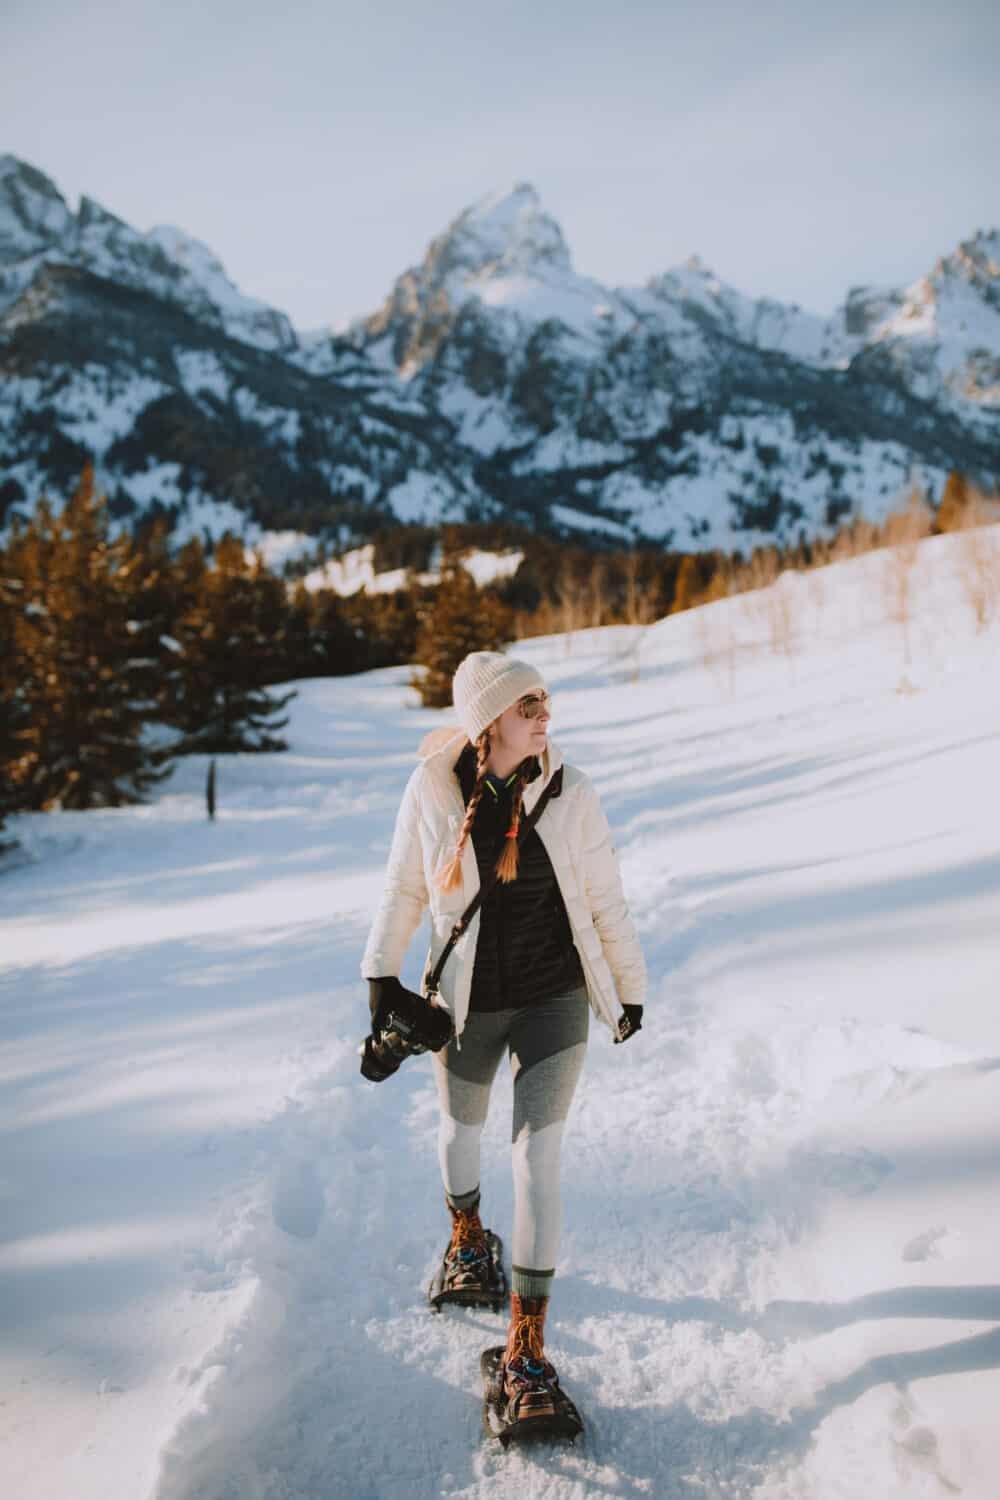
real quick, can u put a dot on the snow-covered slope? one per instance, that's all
(700, 414)
(943, 332)
(506, 254)
(136, 352)
(494, 380)
(778, 1269)
(37, 227)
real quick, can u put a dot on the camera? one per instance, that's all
(404, 1024)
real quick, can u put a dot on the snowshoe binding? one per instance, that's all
(471, 1273)
(522, 1399)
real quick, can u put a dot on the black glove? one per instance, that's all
(381, 995)
(629, 1023)
(403, 1023)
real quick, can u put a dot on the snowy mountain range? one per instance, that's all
(495, 381)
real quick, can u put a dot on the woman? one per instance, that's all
(552, 941)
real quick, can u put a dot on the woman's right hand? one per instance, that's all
(382, 993)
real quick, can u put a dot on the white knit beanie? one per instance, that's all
(486, 683)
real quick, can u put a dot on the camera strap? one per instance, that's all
(552, 789)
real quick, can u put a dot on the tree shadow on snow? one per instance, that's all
(675, 1450)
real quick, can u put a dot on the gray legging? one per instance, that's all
(546, 1042)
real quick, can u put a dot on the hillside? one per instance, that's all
(778, 1270)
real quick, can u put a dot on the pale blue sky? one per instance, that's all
(799, 148)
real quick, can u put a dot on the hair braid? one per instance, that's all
(506, 866)
(451, 875)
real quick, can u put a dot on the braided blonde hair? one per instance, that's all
(506, 866)
(507, 863)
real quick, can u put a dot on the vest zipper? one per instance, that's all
(501, 949)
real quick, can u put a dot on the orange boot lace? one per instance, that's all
(467, 1232)
(525, 1337)
(528, 1377)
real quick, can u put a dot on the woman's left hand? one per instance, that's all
(629, 1023)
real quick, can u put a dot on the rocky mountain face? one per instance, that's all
(494, 382)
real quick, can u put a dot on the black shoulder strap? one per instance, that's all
(552, 789)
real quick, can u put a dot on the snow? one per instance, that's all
(422, 498)
(206, 518)
(355, 570)
(242, 316)
(562, 448)
(482, 423)
(280, 547)
(33, 213)
(778, 1270)
(38, 228)
(347, 574)
(96, 410)
(696, 511)
(283, 426)
(157, 482)
(200, 370)
(544, 295)
(628, 359)
(507, 229)
(567, 515)
(487, 567)
(755, 320)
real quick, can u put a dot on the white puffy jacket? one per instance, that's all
(579, 844)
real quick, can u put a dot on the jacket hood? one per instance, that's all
(438, 738)
(439, 752)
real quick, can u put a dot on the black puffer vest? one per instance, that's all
(525, 950)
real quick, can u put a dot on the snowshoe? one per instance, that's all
(525, 1400)
(471, 1277)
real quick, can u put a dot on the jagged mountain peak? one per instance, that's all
(503, 240)
(33, 212)
(92, 213)
(186, 251)
(12, 166)
(694, 282)
(494, 380)
(958, 300)
(38, 228)
(975, 260)
(505, 231)
(693, 274)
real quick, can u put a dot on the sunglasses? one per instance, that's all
(533, 704)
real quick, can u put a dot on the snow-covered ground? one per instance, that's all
(779, 1274)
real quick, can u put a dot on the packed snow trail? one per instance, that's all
(778, 1272)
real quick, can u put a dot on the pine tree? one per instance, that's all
(269, 607)
(231, 638)
(12, 703)
(302, 649)
(161, 587)
(84, 706)
(339, 641)
(462, 618)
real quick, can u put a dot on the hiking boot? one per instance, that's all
(467, 1262)
(528, 1380)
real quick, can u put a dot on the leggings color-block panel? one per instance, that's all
(546, 1042)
